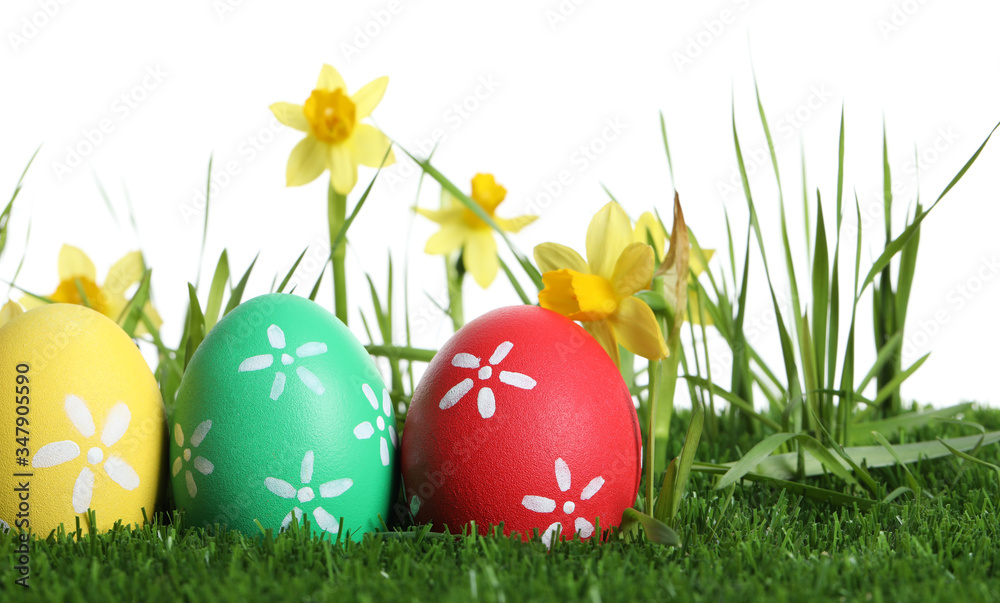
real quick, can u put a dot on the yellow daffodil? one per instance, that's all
(461, 228)
(599, 291)
(335, 140)
(648, 228)
(78, 285)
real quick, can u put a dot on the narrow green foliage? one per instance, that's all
(216, 291)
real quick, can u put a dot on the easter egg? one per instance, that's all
(522, 419)
(281, 415)
(82, 419)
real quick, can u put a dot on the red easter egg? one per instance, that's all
(522, 419)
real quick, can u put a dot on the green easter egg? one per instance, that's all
(281, 413)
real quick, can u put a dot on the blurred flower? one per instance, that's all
(78, 285)
(599, 291)
(648, 229)
(461, 228)
(334, 141)
(9, 311)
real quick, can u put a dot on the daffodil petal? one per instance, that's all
(10, 311)
(610, 231)
(369, 96)
(553, 256)
(557, 295)
(448, 200)
(514, 224)
(693, 314)
(123, 274)
(306, 162)
(343, 168)
(370, 146)
(29, 301)
(696, 265)
(114, 305)
(441, 216)
(480, 257)
(291, 115)
(648, 228)
(602, 332)
(637, 329)
(633, 270)
(329, 79)
(73, 262)
(448, 239)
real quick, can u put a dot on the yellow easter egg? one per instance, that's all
(81, 422)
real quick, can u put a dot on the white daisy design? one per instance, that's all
(365, 430)
(485, 398)
(276, 337)
(305, 494)
(57, 453)
(203, 465)
(541, 504)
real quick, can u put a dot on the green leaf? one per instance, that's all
(656, 531)
(799, 488)
(896, 381)
(237, 294)
(970, 458)
(756, 456)
(733, 399)
(894, 247)
(688, 451)
(291, 271)
(134, 310)
(664, 501)
(884, 355)
(666, 147)
(195, 325)
(216, 291)
(908, 420)
(782, 466)
(204, 231)
(912, 481)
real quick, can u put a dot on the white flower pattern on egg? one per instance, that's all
(542, 504)
(330, 489)
(56, 453)
(365, 430)
(485, 398)
(276, 337)
(203, 465)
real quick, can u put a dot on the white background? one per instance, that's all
(533, 82)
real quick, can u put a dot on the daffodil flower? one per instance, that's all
(78, 285)
(335, 140)
(599, 291)
(461, 228)
(649, 229)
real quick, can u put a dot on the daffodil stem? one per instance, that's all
(337, 213)
(405, 353)
(654, 387)
(455, 278)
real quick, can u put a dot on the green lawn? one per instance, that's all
(760, 544)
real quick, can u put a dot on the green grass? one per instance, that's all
(750, 542)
